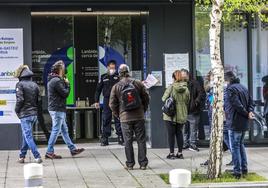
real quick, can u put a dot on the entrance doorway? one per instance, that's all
(85, 41)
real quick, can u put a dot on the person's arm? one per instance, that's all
(145, 98)
(250, 104)
(19, 98)
(166, 94)
(201, 94)
(62, 88)
(98, 90)
(236, 103)
(114, 102)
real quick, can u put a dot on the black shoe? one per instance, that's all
(171, 156)
(205, 163)
(186, 146)
(245, 172)
(194, 148)
(179, 156)
(120, 140)
(230, 163)
(104, 141)
(236, 176)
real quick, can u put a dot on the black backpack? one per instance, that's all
(169, 107)
(130, 97)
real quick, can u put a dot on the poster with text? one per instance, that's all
(11, 57)
(174, 62)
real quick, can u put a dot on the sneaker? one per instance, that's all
(38, 160)
(205, 163)
(21, 160)
(77, 151)
(128, 167)
(186, 146)
(179, 156)
(143, 167)
(230, 163)
(171, 156)
(244, 172)
(120, 140)
(52, 156)
(194, 148)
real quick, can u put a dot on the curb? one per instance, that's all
(232, 185)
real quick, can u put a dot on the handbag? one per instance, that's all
(169, 107)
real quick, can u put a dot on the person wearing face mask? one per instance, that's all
(106, 82)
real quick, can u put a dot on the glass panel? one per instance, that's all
(260, 78)
(235, 48)
(203, 64)
(52, 40)
(202, 49)
(114, 38)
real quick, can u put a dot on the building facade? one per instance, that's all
(86, 33)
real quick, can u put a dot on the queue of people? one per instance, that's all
(126, 100)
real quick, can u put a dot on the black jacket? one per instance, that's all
(197, 97)
(27, 93)
(58, 91)
(241, 104)
(105, 85)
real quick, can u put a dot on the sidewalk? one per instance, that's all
(100, 167)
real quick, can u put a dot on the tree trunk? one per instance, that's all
(215, 154)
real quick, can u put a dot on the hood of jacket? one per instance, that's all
(26, 73)
(180, 87)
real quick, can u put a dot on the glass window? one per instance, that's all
(202, 49)
(235, 48)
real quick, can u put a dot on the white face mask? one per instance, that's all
(111, 71)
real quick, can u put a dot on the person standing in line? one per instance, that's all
(58, 91)
(129, 101)
(241, 111)
(180, 93)
(197, 98)
(107, 81)
(27, 93)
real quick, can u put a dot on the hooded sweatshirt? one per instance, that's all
(58, 91)
(27, 93)
(180, 92)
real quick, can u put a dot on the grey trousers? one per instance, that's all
(191, 129)
(128, 130)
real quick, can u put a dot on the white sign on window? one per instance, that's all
(175, 62)
(11, 57)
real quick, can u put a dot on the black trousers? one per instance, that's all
(128, 130)
(107, 120)
(174, 130)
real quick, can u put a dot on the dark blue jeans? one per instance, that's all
(238, 152)
(107, 120)
(27, 137)
(227, 139)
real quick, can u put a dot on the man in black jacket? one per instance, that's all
(58, 91)
(27, 93)
(197, 98)
(107, 81)
(240, 112)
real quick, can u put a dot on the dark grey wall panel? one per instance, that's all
(170, 31)
(10, 135)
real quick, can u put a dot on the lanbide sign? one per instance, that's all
(11, 57)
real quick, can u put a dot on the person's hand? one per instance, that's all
(66, 81)
(97, 105)
(251, 115)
